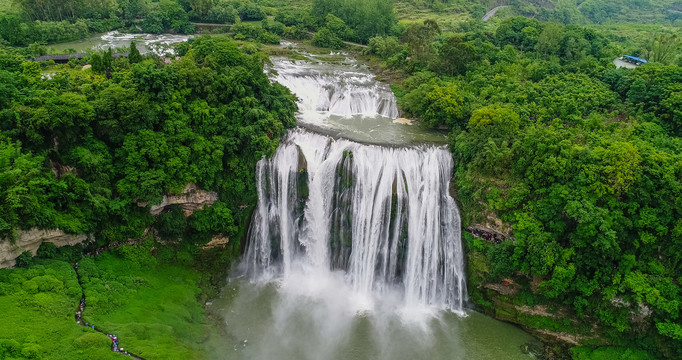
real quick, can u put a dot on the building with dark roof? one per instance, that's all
(61, 59)
(64, 58)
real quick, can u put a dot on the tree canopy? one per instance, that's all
(80, 152)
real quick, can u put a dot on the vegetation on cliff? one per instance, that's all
(582, 159)
(90, 152)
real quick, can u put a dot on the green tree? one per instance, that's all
(549, 40)
(201, 7)
(419, 38)
(223, 12)
(24, 260)
(368, 18)
(661, 48)
(455, 55)
(134, 55)
(445, 105)
(327, 39)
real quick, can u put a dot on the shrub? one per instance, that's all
(171, 224)
(327, 39)
(47, 250)
(501, 260)
(251, 11)
(24, 260)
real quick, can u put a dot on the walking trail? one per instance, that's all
(81, 307)
(492, 12)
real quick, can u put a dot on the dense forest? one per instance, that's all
(580, 160)
(126, 135)
(89, 152)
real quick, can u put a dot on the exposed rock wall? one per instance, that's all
(217, 241)
(191, 199)
(30, 241)
(515, 300)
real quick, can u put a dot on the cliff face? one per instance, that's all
(191, 199)
(516, 300)
(30, 241)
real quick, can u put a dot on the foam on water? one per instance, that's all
(157, 44)
(373, 225)
(324, 89)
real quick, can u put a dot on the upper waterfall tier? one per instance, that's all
(325, 89)
(345, 100)
(382, 215)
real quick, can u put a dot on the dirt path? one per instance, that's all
(492, 12)
(211, 24)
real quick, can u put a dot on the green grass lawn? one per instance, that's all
(150, 302)
(37, 316)
(152, 308)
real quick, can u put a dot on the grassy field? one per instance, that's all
(150, 302)
(446, 16)
(151, 307)
(38, 307)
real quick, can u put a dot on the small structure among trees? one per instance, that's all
(61, 59)
(64, 58)
(633, 60)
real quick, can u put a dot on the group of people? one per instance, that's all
(486, 235)
(81, 307)
(114, 345)
(79, 312)
(107, 247)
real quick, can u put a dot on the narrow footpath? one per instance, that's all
(115, 346)
(492, 12)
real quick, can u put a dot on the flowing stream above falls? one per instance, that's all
(354, 248)
(342, 98)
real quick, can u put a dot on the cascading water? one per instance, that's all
(354, 250)
(345, 100)
(325, 89)
(382, 215)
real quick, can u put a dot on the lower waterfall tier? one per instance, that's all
(381, 215)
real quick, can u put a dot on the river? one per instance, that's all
(146, 43)
(354, 250)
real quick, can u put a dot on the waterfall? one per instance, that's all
(380, 216)
(334, 90)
